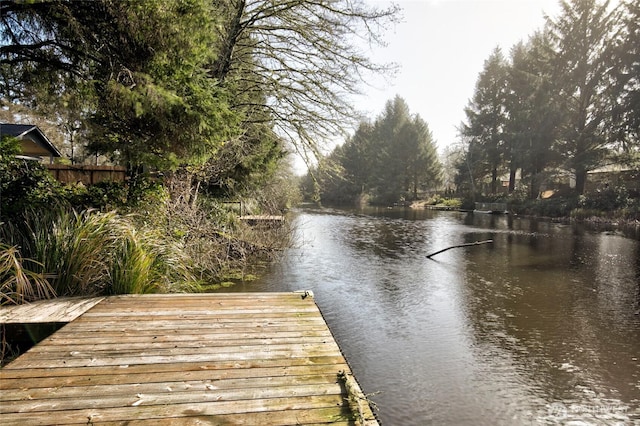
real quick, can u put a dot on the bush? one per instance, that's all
(25, 184)
(607, 199)
(551, 207)
(438, 200)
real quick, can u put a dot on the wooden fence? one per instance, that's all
(87, 175)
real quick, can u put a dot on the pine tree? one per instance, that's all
(584, 67)
(486, 116)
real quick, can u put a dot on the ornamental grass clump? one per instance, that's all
(145, 262)
(17, 283)
(91, 253)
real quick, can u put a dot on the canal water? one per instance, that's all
(540, 327)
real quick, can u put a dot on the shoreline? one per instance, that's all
(595, 220)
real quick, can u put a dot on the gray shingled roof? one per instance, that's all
(21, 130)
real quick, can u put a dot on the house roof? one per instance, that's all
(42, 145)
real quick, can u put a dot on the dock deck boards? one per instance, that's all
(223, 359)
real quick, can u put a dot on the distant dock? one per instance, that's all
(491, 208)
(262, 219)
(219, 359)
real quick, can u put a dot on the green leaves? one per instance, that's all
(86, 254)
(564, 101)
(391, 160)
(168, 83)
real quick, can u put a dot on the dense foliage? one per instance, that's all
(201, 100)
(170, 82)
(121, 237)
(391, 160)
(564, 103)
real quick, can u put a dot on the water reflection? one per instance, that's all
(539, 327)
(557, 307)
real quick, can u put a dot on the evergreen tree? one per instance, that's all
(423, 168)
(626, 117)
(390, 179)
(533, 116)
(584, 66)
(358, 159)
(486, 115)
(140, 68)
(169, 82)
(389, 160)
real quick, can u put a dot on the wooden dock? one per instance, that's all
(263, 220)
(491, 208)
(214, 359)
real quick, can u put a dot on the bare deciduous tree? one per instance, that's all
(302, 59)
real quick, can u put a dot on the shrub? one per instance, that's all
(607, 199)
(25, 184)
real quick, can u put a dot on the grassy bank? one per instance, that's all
(145, 235)
(174, 248)
(611, 205)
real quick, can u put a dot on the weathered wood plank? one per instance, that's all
(160, 359)
(195, 342)
(15, 371)
(181, 326)
(222, 317)
(122, 351)
(203, 312)
(197, 299)
(87, 338)
(203, 381)
(191, 323)
(191, 409)
(312, 417)
(87, 376)
(56, 310)
(207, 392)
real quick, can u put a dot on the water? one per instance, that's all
(540, 327)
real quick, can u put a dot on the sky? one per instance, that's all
(441, 46)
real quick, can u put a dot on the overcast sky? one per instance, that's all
(441, 46)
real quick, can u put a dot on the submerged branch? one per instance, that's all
(477, 243)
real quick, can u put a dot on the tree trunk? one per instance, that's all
(223, 63)
(534, 186)
(581, 181)
(494, 180)
(512, 179)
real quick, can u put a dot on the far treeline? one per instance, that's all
(562, 104)
(384, 162)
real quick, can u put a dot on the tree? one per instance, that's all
(170, 81)
(389, 181)
(300, 55)
(422, 167)
(626, 117)
(533, 116)
(358, 158)
(140, 68)
(452, 157)
(486, 115)
(389, 160)
(584, 49)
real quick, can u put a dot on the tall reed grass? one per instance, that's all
(19, 284)
(91, 253)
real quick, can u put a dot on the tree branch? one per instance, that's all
(477, 243)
